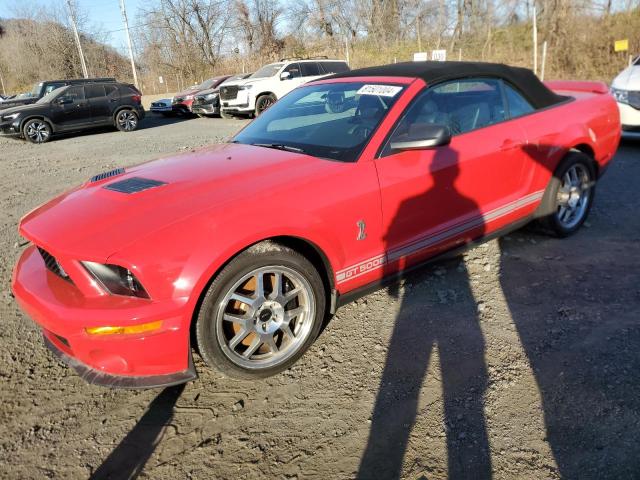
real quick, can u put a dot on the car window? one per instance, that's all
(333, 121)
(518, 105)
(111, 91)
(51, 87)
(293, 69)
(267, 71)
(309, 69)
(75, 93)
(333, 67)
(94, 91)
(462, 105)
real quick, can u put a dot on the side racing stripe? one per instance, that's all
(377, 262)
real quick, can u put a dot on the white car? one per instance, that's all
(626, 90)
(263, 88)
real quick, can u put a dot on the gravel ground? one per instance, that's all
(519, 360)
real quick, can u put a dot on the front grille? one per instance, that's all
(229, 93)
(102, 176)
(52, 264)
(133, 185)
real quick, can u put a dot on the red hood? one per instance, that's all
(91, 222)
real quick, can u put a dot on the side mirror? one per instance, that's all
(285, 75)
(427, 136)
(64, 101)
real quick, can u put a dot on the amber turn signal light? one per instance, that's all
(131, 329)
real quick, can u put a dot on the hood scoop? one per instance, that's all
(134, 185)
(103, 175)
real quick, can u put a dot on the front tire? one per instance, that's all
(126, 120)
(263, 102)
(261, 312)
(36, 131)
(569, 196)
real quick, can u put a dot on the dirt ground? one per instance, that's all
(519, 360)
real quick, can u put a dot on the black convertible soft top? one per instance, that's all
(435, 72)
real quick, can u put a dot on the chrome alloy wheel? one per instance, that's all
(265, 317)
(127, 120)
(37, 131)
(574, 196)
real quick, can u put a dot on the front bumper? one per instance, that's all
(161, 109)
(629, 117)
(159, 358)
(10, 127)
(205, 109)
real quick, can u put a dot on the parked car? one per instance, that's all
(75, 108)
(261, 90)
(163, 106)
(626, 90)
(207, 102)
(343, 184)
(41, 89)
(183, 100)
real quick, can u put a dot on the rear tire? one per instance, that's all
(276, 319)
(126, 120)
(36, 131)
(569, 196)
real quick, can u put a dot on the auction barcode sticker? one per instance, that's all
(380, 90)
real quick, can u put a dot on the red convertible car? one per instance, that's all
(245, 248)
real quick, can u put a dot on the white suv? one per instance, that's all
(626, 90)
(260, 90)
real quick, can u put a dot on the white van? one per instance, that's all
(626, 90)
(264, 87)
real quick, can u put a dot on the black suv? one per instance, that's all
(74, 108)
(39, 90)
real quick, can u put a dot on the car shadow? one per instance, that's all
(131, 455)
(421, 327)
(575, 304)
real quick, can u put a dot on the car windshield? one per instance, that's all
(51, 95)
(35, 91)
(267, 71)
(333, 120)
(206, 84)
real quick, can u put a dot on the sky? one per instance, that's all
(103, 14)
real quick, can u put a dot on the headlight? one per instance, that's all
(11, 116)
(621, 96)
(210, 96)
(116, 280)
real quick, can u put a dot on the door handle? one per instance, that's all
(510, 145)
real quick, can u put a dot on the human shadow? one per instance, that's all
(450, 323)
(575, 305)
(127, 460)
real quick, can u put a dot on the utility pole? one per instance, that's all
(4, 92)
(535, 40)
(72, 17)
(126, 27)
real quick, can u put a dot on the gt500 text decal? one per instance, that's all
(361, 268)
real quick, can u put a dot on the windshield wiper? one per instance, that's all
(279, 146)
